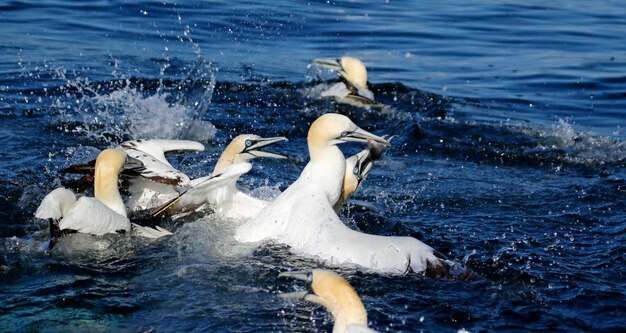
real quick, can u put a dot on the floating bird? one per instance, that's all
(103, 214)
(219, 189)
(353, 86)
(303, 216)
(333, 292)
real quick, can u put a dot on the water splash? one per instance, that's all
(123, 109)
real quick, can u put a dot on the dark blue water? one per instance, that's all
(509, 156)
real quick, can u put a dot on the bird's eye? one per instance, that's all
(248, 143)
(344, 133)
(355, 170)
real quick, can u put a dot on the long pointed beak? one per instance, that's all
(298, 275)
(256, 148)
(364, 163)
(294, 295)
(330, 63)
(360, 135)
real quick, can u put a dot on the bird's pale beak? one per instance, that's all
(298, 275)
(360, 135)
(364, 163)
(330, 63)
(256, 147)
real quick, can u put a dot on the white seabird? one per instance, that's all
(219, 189)
(303, 216)
(105, 213)
(353, 86)
(333, 292)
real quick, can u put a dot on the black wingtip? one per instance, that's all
(86, 168)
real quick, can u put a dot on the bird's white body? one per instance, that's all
(303, 216)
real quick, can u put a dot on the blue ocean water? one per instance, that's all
(509, 156)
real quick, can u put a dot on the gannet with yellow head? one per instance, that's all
(353, 86)
(219, 189)
(333, 292)
(104, 213)
(98, 216)
(303, 216)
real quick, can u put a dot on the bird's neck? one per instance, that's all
(344, 319)
(106, 190)
(326, 169)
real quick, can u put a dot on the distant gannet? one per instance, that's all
(219, 189)
(303, 216)
(98, 216)
(333, 292)
(353, 88)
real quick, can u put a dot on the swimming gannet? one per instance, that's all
(98, 216)
(103, 214)
(220, 188)
(152, 180)
(353, 86)
(303, 216)
(333, 292)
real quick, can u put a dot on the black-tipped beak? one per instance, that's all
(298, 275)
(360, 135)
(255, 147)
(364, 163)
(330, 63)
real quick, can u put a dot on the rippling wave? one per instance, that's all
(508, 156)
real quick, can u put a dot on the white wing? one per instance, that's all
(150, 155)
(150, 233)
(56, 204)
(91, 216)
(158, 147)
(303, 218)
(245, 206)
(203, 190)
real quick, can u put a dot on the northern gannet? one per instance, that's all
(333, 292)
(103, 214)
(303, 216)
(98, 216)
(353, 86)
(219, 189)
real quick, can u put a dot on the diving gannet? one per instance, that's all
(353, 86)
(333, 292)
(219, 189)
(103, 214)
(303, 216)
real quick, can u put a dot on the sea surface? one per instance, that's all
(509, 157)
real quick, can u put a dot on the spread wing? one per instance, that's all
(158, 147)
(201, 189)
